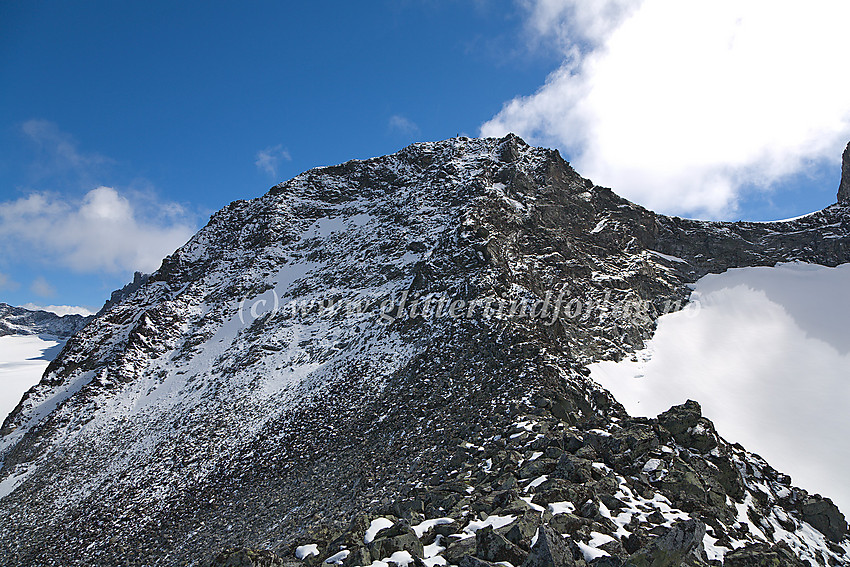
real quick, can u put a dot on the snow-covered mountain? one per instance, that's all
(21, 321)
(403, 343)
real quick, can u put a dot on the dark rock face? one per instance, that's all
(680, 545)
(550, 550)
(844, 188)
(237, 398)
(825, 517)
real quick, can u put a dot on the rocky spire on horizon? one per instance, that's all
(844, 187)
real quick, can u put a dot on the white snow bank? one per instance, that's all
(303, 551)
(375, 526)
(23, 359)
(495, 521)
(766, 352)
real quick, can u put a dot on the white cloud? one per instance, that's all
(58, 152)
(268, 159)
(402, 125)
(41, 287)
(60, 310)
(574, 26)
(7, 283)
(681, 105)
(103, 232)
(766, 355)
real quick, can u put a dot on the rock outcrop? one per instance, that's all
(844, 187)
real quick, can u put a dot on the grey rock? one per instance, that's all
(825, 517)
(399, 537)
(521, 530)
(574, 469)
(550, 550)
(844, 187)
(359, 557)
(680, 545)
(537, 467)
(459, 549)
(567, 523)
(491, 546)
(688, 426)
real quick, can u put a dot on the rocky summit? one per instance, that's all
(383, 363)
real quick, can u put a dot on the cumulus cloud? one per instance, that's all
(60, 310)
(681, 106)
(41, 287)
(268, 159)
(574, 26)
(104, 231)
(766, 354)
(402, 125)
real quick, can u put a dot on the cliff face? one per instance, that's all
(403, 337)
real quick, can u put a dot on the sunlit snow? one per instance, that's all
(766, 352)
(23, 359)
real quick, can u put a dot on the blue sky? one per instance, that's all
(124, 125)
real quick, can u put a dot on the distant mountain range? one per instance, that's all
(21, 321)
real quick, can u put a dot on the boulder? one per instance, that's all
(456, 550)
(681, 545)
(825, 517)
(688, 427)
(573, 468)
(358, 557)
(521, 530)
(399, 537)
(550, 550)
(491, 546)
(537, 467)
(567, 523)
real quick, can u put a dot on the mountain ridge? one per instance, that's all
(173, 417)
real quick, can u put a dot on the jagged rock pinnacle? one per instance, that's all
(844, 188)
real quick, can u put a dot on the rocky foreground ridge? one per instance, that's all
(384, 362)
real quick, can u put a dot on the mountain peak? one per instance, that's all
(844, 188)
(404, 337)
